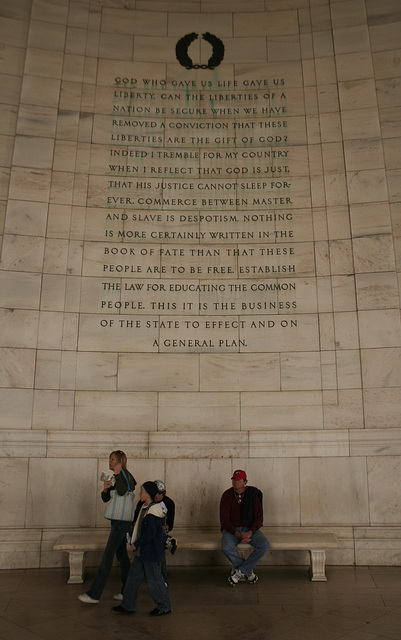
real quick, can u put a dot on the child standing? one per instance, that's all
(148, 545)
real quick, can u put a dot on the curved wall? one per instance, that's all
(200, 264)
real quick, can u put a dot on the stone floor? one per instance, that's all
(361, 603)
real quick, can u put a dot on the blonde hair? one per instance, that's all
(121, 457)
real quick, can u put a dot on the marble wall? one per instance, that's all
(200, 264)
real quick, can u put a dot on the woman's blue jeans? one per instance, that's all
(116, 545)
(158, 590)
(259, 543)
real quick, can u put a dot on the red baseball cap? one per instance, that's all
(239, 474)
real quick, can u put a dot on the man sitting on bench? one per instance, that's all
(241, 516)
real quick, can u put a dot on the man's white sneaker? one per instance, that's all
(235, 577)
(242, 577)
(253, 578)
(87, 599)
(118, 596)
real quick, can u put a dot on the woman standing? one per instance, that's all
(118, 493)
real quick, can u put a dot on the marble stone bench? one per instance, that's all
(77, 545)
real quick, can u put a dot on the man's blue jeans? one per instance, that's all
(116, 545)
(158, 590)
(259, 542)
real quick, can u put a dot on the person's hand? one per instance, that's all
(107, 485)
(117, 468)
(133, 547)
(245, 536)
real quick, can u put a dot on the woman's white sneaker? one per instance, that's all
(87, 599)
(118, 596)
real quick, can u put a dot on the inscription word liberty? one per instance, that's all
(207, 233)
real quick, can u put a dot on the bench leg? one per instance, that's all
(77, 567)
(317, 565)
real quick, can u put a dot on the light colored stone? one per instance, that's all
(384, 505)
(367, 186)
(209, 412)
(343, 409)
(13, 90)
(278, 479)
(48, 365)
(377, 290)
(50, 330)
(346, 330)
(338, 222)
(370, 219)
(19, 444)
(384, 37)
(20, 290)
(115, 411)
(20, 548)
(22, 253)
(19, 328)
(386, 63)
(326, 331)
(330, 127)
(6, 150)
(377, 546)
(215, 478)
(343, 288)
(92, 334)
(67, 444)
(53, 292)
(158, 372)
(354, 66)
(348, 369)
(379, 328)
(197, 444)
(363, 154)
(99, 367)
(360, 123)
(381, 367)
(53, 409)
(373, 254)
(42, 92)
(335, 188)
(375, 442)
(284, 333)
(27, 184)
(334, 490)
(65, 504)
(267, 24)
(37, 120)
(381, 407)
(323, 43)
(142, 314)
(17, 368)
(351, 39)
(16, 408)
(241, 372)
(279, 411)
(26, 218)
(301, 444)
(300, 371)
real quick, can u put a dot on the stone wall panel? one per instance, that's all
(200, 264)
